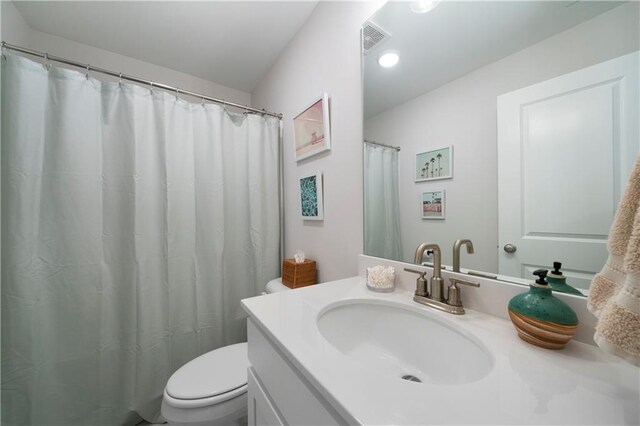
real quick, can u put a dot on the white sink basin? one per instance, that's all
(400, 341)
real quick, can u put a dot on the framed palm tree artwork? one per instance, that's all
(434, 165)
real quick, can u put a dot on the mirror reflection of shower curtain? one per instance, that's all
(382, 236)
(132, 225)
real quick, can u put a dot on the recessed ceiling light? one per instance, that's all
(388, 59)
(424, 6)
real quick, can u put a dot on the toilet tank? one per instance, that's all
(275, 286)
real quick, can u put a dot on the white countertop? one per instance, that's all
(527, 385)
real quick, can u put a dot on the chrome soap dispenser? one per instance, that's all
(540, 318)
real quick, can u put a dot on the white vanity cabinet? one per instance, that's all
(278, 393)
(260, 408)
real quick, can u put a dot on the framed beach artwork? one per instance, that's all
(434, 165)
(433, 203)
(311, 197)
(312, 130)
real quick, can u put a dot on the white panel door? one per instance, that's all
(566, 147)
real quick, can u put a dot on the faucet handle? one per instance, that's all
(453, 295)
(421, 273)
(421, 283)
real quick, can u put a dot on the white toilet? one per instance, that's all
(212, 389)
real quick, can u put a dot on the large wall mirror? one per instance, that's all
(511, 124)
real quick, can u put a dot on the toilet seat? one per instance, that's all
(203, 402)
(205, 412)
(212, 378)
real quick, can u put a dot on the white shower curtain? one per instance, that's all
(381, 203)
(132, 224)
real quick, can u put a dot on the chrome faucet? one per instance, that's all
(434, 297)
(456, 252)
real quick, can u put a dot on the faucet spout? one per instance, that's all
(420, 253)
(456, 252)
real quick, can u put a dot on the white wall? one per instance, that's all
(324, 57)
(16, 31)
(13, 27)
(463, 114)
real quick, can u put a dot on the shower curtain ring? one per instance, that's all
(176, 95)
(203, 101)
(151, 86)
(120, 79)
(88, 74)
(47, 64)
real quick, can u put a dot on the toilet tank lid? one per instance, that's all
(275, 286)
(213, 373)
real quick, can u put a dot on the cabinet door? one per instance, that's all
(261, 412)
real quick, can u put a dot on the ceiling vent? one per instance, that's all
(373, 35)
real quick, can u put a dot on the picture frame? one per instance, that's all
(433, 205)
(312, 129)
(312, 197)
(434, 164)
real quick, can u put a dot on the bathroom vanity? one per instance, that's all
(338, 353)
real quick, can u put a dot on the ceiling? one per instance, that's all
(456, 38)
(233, 43)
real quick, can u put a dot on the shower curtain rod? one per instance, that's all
(122, 76)
(397, 148)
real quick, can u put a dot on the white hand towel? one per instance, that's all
(608, 282)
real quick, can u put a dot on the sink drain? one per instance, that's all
(411, 378)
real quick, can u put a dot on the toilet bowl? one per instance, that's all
(211, 389)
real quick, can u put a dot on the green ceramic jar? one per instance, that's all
(540, 318)
(558, 281)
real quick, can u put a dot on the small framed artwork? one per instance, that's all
(311, 197)
(434, 165)
(312, 130)
(433, 205)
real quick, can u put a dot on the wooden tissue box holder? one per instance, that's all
(296, 275)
